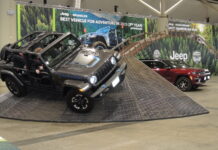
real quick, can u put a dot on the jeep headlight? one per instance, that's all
(117, 55)
(113, 60)
(93, 79)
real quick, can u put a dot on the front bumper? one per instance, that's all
(120, 72)
(208, 76)
(200, 80)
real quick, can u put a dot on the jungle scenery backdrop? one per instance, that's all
(196, 48)
(193, 43)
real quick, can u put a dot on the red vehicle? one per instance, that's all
(184, 78)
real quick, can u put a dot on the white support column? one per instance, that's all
(163, 19)
(8, 22)
(162, 7)
(162, 23)
(77, 3)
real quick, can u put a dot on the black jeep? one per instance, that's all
(103, 38)
(58, 62)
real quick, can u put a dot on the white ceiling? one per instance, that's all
(193, 10)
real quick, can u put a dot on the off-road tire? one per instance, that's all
(79, 102)
(14, 87)
(184, 84)
(99, 45)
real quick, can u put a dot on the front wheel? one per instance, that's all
(14, 87)
(79, 102)
(184, 84)
(99, 45)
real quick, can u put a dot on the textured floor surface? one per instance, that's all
(144, 95)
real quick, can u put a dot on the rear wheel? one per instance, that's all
(79, 102)
(14, 87)
(184, 84)
(99, 45)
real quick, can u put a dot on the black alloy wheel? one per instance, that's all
(79, 102)
(184, 84)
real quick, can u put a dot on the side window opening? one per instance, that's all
(60, 50)
(159, 65)
(25, 41)
(148, 63)
(43, 43)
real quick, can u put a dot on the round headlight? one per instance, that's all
(93, 79)
(113, 60)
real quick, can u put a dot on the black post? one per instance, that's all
(45, 2)
(115, 8)
(207, 19)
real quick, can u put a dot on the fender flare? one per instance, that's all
(74, 84)
(11, 74)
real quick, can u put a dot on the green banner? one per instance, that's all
(192, 42)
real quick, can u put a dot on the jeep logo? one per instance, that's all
(196, 56)
(179, 56)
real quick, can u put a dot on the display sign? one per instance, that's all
(77, 22)
(190, 42)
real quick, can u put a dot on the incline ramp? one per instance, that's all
(144, 95)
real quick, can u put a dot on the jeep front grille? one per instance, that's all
(104, 70)
(201, 73)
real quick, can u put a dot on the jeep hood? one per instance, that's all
(90, 35)
(85, 63)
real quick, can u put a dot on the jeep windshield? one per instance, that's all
(104, 30)
(60, 50)
(182, 64)
(176, 64)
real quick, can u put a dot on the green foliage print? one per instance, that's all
(35, 19)
(76, 28)
(127, 30)
(181, 45)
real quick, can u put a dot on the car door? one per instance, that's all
(38, 74)
(162, 69)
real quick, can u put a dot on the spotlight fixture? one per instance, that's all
(45, 2)
(30, 2)
(99, 9)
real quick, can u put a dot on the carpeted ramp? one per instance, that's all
(144, 95)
